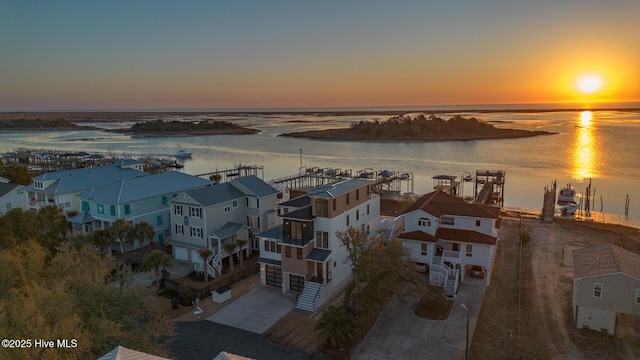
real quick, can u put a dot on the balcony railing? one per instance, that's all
(449, 255)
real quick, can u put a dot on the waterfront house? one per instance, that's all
(135, 199)
(208, 218)
(61, 188)
(606, 286)
(12, 196)
(303, 254)
(448, 236)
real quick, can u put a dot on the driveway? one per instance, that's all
(400, 334)
(256, 311)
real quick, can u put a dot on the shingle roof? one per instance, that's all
(123, 353)
(418, 235)
(337, 189)
(273, 233)
(254, 185)
(298, 202)
(439, 203)
(143, 187)
(6, 188)
(69, 181)
(604, 259)
(214, 194)
(468, 236)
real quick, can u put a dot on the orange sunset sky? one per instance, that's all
(291, 54)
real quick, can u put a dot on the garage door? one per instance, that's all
(181, 253)
(273, 275)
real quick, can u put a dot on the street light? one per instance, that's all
(466, 343)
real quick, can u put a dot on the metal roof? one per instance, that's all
(6, 188)
(605, 259)
(143, 187)
(215, 194)
(301, 214)
(81, 218)
(319, 255)
(269, 261)
(298, 202)
(69, 181)
(253, 185)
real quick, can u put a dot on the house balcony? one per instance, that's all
(451, 256)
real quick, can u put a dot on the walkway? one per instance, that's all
(400, 334)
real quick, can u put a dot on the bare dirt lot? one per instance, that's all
(527, 309)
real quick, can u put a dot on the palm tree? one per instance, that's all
(241, 243)
(102, 239)
(204, 255)
(122, 231)
(142, 231)
(154, 261)
(230, 247)
(336, 325)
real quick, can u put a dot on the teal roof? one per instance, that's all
(144, 187)
(75, 180)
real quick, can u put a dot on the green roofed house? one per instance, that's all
(137, 199)
(209, 218)
(61, 188)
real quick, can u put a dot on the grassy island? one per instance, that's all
(40, 124)
(420, 128)
(206, 127)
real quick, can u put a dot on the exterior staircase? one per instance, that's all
(450, 286)
(311, 297)
(214, 263)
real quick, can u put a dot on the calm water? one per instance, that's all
(599, 145)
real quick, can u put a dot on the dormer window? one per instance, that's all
(38, 185)
(423, 222)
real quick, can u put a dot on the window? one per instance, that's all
(637, 296)
(469, 250)
(253, 202)
(279, 249)
(477, 222)
(195, 212)
(179, 229)
(159, 219)
(270, 246)
(296, 230)
(177, 209)
(322, 239)
(322, 208)
(38, 184)
(196, 232)
(347, 198)
(100, 208)
(334, 204)
(227, 209)
(368, 190)
(445, 220)
(597, 290)
(85, 206)
(234, 204)
(357, 215)
(424, 222)
(112, 210)
(347, 220)
(423, 249)
(357, 194)
(287, 251)
(253, 221)
(299, 253)
(127, 209)
(367, 209)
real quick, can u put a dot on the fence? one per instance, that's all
(207, 288)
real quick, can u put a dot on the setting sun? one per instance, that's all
(589, 83)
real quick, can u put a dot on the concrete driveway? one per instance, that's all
(256, 311)
(400, 334)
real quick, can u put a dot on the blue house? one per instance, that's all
(143, 198)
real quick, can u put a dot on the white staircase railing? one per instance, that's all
(214, 263)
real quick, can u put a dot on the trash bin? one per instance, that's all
(174, 303)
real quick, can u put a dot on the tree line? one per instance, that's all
(406, 126)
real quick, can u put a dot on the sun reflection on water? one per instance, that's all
(584, 149)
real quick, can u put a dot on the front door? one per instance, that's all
(319, 270)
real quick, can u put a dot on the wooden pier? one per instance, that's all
(549, 203)
(238, 170)
(489, 187)
(447, 183)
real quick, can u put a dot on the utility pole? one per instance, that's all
(466, 343)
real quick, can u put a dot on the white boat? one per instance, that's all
(182, 152)
(570, 208)
(566, 195)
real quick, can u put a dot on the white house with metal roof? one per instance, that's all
(210, 217)
(61, 188)
(136, 199)
(606, 285)
(448, 236)
(12, 196)
(304, 254)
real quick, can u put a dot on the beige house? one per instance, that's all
(606, 283)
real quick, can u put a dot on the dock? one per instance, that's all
(489, 187)
(310, 177)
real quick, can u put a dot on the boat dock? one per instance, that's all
(384, 180)
(238, 170)
(489, 187)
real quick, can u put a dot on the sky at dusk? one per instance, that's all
(292, 54)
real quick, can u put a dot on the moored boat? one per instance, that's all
(570, 208)
(566, 195)
(182, 152)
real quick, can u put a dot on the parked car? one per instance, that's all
(477, 271)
